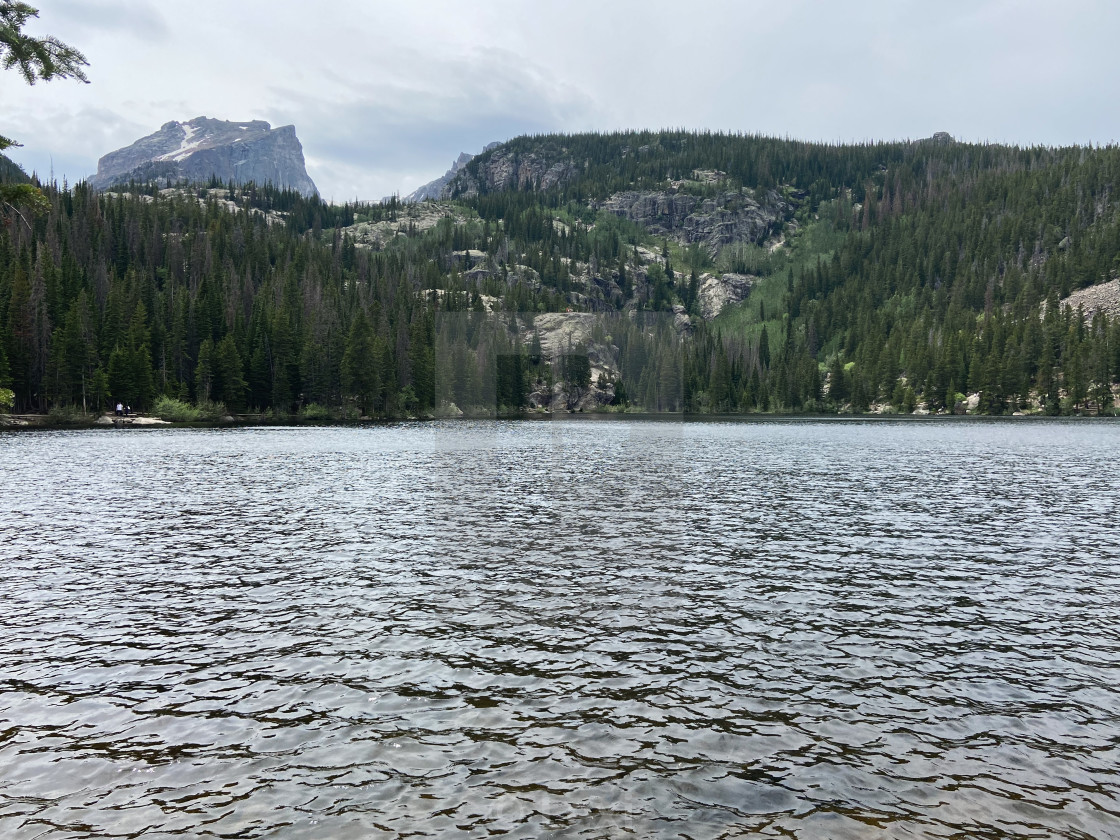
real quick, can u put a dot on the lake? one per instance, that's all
(562, 629)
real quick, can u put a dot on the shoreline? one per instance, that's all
(45, 422)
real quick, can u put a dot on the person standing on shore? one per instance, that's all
(120, 409)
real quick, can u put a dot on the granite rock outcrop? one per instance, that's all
(712, 222)
(506, 168)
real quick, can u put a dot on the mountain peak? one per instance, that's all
(435, 189)
(203, 148)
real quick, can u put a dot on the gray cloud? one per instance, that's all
(77, 137)
(77, 19)
(394, 123)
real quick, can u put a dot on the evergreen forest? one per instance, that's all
(930, 277)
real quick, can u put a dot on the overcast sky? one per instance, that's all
(385, 94)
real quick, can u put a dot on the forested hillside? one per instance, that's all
(694, 272)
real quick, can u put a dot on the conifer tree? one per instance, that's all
(360, 376)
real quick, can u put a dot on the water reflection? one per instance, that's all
(562, 629)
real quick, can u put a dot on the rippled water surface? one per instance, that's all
(562, 629)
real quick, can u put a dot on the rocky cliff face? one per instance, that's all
(558, 332)
(203, 148)
(506, 169)
(728, 217)
(718, 290)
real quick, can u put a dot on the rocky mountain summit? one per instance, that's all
(203, 148)
(437, 189)
(940, 138)
(510, 169)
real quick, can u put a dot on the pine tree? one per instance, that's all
(228, 372)
(204, 371)
(361, 380)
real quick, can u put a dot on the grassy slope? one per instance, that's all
(816, 240)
